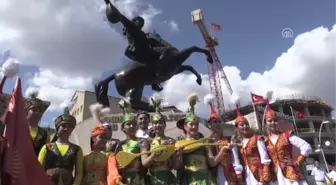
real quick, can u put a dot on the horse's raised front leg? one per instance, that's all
(184, 54)
(101, 91)
(192, 70)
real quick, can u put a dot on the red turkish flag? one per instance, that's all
(216, 26)
(20, 166)
(257, 98)
(299, 114)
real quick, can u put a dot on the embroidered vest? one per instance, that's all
(60, 167)
(226, 162)
(157, 142)
(40, 140)
(281, 155)
(135, 165)
(251, 157)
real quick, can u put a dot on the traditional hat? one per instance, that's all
(209, 99)
(156, 100)
(98, 130)
(124, 104)
(269, 112)
(192, 100)
(239, 117)
(65, 118)
(98, 111)
(33, 102)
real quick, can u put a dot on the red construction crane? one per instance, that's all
(215, 70)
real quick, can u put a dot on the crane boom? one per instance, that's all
(215, 70)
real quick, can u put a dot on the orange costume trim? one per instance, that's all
(99, 130)
(113, 176)
(261, 172)
(281, 155)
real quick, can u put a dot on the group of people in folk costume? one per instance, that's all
(246, 158)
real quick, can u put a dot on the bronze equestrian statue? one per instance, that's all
(154, 61)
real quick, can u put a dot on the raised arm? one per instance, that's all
(304, 147)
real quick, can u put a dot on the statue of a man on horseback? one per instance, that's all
(154, 61)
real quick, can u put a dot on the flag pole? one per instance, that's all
(255, 115)
(294, 122)
(263, 119)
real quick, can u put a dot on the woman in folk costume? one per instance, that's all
(34, 109)
(159, 172)
(95, 163)
(60, 157)
(253, 152)
(280, 148)
(98, 112)
(193, 165)
(228, 171)
(134, 173)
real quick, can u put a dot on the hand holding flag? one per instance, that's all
(21, 166)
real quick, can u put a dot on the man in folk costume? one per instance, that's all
(98, 113)
(228, 171)
(60, 157)
(280, 148)
(253, 152)
(34, 108)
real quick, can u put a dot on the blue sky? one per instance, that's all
(250, 38)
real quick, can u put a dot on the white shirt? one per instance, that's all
(332, 175)
(318, 173)
(142, 134)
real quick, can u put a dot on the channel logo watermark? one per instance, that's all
(287, 33)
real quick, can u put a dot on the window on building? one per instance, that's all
(286, 110)
(304, 127)
(327, 113)
(311, 142)
(78, 111)
(315, 111)
(81, 108)
(317, 125)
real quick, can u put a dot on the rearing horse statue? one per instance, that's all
(155, 61)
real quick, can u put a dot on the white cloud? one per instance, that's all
(173, 26)
(68, 40)
(56, 89)
(307, 68)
